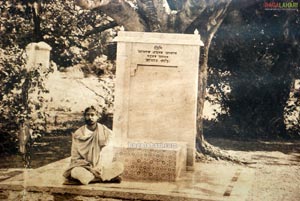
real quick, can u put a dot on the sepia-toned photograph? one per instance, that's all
(151, 100)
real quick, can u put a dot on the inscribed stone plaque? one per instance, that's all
(156, 88)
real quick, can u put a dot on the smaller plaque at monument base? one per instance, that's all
(152, 161)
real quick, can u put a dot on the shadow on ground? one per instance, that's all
(286, 147)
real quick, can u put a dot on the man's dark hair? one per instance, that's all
(90, 108)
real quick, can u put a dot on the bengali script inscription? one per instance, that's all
(156, 55)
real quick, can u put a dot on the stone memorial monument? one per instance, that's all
(155, 103)
(38, 54)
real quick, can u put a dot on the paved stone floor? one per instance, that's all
(209, 181)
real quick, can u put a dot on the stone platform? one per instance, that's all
(209, 181)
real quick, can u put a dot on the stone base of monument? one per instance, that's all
(153, 161)
(209, 181)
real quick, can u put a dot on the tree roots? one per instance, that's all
(206, 151)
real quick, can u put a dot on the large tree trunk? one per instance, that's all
(207, 23)
(172, 16)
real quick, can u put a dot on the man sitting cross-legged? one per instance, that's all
(88, 145)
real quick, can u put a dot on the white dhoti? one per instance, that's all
(91, 156)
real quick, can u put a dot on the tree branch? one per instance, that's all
(148, 11)
(120, 11)
(191, 9)
(101, 28)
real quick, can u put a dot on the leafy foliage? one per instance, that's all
(70, 33)
(75, 35)
(16, 26)
(254, 62)
(21, 98)
(292, 113)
